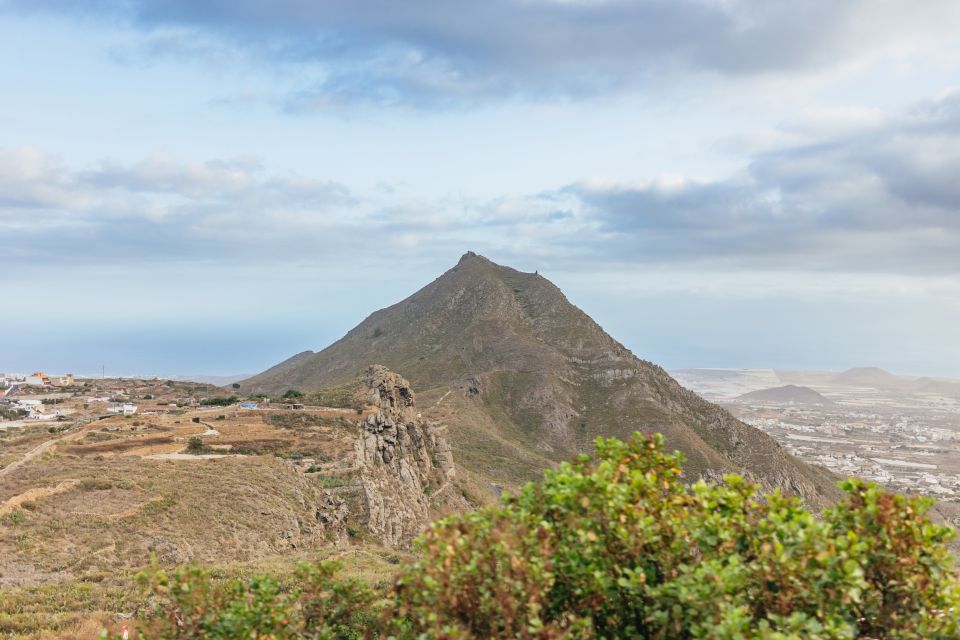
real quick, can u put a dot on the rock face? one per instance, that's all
(404, 463)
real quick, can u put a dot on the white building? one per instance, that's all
(126, 409)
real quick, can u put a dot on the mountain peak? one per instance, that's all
(525, 379)
(867, 376)
(470, 256)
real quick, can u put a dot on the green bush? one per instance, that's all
(219, 402)
(318, 605)
(617, 547)
(292, 394)
(7, 413)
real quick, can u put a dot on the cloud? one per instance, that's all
(436, 53)
(231, 212)
(878, 198)
(883, 197)
(160, 209)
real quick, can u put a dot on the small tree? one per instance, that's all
(292, 394)
(195, 444)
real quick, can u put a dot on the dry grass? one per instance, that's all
(83, 516)
(96, 505)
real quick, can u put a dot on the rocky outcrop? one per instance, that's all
(404, 463)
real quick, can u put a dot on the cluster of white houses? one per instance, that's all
(34, 409)
(36, 379)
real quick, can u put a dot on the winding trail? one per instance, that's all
(36, 451)
(35, 494)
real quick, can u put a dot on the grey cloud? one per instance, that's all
(424, 53)
(235, 212)
(886, 198)
(163, 209)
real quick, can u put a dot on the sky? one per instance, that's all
(210, 186)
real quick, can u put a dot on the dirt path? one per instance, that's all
(35, 494)
(443, 398)
(178, 455)
(37, 450)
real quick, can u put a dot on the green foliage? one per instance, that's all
(14, 517)
(219, 402)
(318, 605)
(292, 394)
(617, 546)
(7, 413)
(195, 444)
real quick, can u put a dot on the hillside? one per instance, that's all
(866, 377)
(788, 394)
(946, 388)
(525, 379)
(222, 484)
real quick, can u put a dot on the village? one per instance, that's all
(901, 435)
(41, 397)
(165, 419)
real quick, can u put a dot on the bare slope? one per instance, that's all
(524, 379)
(790, 393)
(867, 377)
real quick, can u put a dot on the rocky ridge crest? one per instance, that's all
(405, 465)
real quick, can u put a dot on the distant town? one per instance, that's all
(903, 433)
(59, 398)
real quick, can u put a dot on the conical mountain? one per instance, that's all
(525, 379)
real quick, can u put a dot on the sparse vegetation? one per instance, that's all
(195, 444)
(316, 603)
(14, 518)
(95, 484)
(332, 482)
(297, 421)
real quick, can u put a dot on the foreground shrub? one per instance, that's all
(315, 604)
(617, 547)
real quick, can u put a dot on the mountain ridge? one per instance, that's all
(525, 379)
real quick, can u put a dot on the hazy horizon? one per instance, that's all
(670, 341)
(208, 187)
